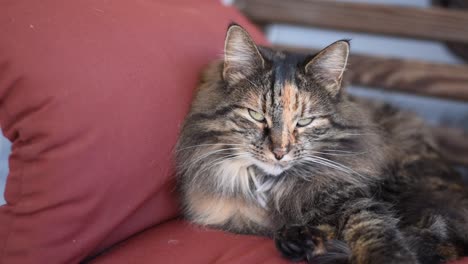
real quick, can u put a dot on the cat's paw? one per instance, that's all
(299, 243)
(295, 242)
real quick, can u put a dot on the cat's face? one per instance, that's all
(280, 126)
(284, 106)
(271, 110)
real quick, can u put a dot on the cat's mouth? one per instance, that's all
(273, 169)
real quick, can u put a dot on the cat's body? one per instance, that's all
(272, 146)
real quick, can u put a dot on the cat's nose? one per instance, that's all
(280, 153)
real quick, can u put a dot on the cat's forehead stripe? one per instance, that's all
(285, 89)
(284, 101)
(284, 72)
(289, 103)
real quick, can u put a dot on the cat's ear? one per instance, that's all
(241, 55)
(328, 66)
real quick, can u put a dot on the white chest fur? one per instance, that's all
(237, 176)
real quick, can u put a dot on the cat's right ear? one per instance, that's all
(329, 65)
(241, 55)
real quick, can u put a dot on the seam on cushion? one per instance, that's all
(12, 220)
(4, 108)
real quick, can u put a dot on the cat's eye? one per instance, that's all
(256, 115)
(304, 122)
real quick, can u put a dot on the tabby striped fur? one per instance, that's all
(363, 182)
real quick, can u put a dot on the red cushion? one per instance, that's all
(92, 93)
(179, 242)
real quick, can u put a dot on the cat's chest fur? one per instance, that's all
(241, 197)
(244, 197)
(246, 182)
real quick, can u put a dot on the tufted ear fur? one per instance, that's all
(241, 55)
(328, 66)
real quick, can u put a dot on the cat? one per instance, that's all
(274, 146)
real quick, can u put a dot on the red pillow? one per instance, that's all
(92, 94)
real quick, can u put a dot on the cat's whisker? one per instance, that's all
(220, 160)
(205, 145)
(327, 164)
(342, 151)
(303, 174)
(224, 159)
(211, 153)
(189, 165)
(351, 180)
(337, 164)
(337, 153)
(331, 164)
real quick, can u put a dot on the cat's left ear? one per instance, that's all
(241, 55)
(328, 66)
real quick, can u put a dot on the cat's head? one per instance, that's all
(271, 109)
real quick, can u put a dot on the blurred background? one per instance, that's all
(412, 54)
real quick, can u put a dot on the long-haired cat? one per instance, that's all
(274, 146)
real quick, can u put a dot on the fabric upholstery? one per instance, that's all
(180, 242)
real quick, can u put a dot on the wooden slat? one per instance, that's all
(425, 23)
(429, 79)
(460, 49)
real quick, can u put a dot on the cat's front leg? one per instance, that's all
(372, 234)
(316, 244)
